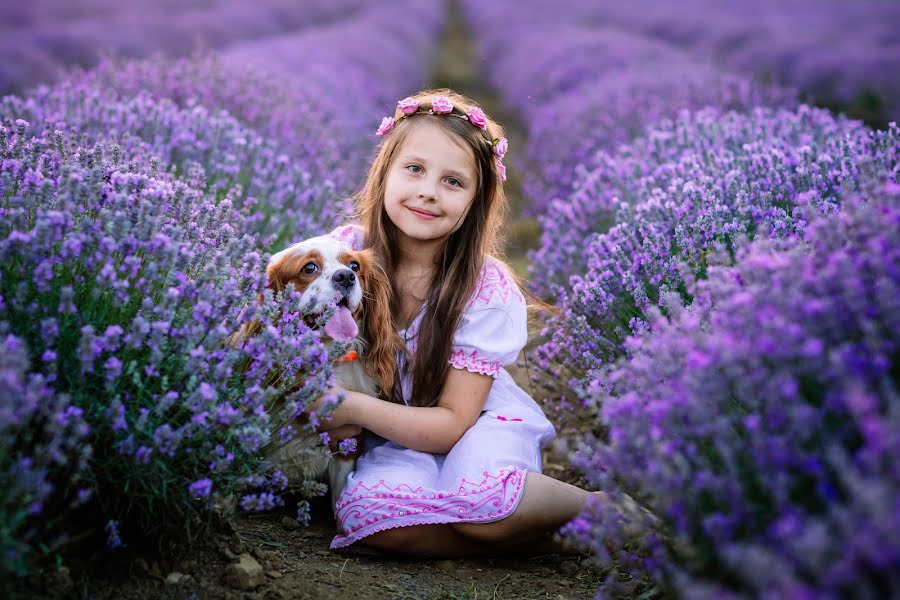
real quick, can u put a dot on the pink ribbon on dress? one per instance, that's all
(502, 418)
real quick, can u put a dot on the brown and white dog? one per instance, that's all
(330, 273)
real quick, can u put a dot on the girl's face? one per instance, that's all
(430, 184)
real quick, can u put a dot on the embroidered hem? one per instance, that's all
(368, 510)
(473, 364)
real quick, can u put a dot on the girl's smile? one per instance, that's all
(422, 214)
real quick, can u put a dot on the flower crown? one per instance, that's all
(441, 105)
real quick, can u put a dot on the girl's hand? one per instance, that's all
(340, 417)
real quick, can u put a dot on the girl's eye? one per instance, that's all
(454, 181)
(415, 167)
(310, 268)
(354, 266)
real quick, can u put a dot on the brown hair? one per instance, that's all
(459, 263)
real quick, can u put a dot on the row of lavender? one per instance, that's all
(38, 40)
(839, 54)
(138, 205)
(598, 88)
(726, 266)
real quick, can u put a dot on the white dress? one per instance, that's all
(481, 478)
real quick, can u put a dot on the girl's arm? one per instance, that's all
(433, 429)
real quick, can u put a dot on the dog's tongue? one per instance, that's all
(341, 327)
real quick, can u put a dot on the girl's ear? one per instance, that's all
(381, 340)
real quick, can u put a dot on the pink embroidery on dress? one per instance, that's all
(502, 418)
(494, 279)
(365, 510)
(473, 364)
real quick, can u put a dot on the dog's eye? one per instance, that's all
(310, 268)
(354, 266)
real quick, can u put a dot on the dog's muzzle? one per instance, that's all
(343, 281)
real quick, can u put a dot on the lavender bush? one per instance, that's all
(33, 465)
(276, 197)
(661, 204)
(702, 176)
(291, 113)
(619, 105)
(762, 422)
(119, 287)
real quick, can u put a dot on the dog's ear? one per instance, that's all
(277, 274)
(382, 341)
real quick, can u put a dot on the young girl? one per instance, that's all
(456, 466)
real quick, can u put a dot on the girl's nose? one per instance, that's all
(427, 190)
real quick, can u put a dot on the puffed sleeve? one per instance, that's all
(352, 234)
(493, 328)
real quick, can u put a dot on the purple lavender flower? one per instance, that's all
(303, 512)
(260, 502)
(201, 488)
(347, 446)
(113, 539)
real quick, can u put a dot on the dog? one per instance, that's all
(329, 272)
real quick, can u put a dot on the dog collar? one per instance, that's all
(349, 357)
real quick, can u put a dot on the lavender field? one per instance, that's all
(714, 192)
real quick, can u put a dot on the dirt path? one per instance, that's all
(295, 561)
(460, 67)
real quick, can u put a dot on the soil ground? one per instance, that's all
(296, 561)
(298, 565)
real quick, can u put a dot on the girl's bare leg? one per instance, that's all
(427, 541)
(546, 505)
(441, 541)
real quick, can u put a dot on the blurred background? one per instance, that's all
(841, 54)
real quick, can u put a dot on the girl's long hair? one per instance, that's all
(459, 263)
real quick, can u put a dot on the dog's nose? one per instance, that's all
(344, 279)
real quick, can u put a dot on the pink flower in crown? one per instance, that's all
(441, 105)
(408, 105)
(477, 117)
(501, 169)
(501, 147)
(387, 124)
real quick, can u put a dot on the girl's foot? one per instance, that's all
(548, 545)
(639, 522)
